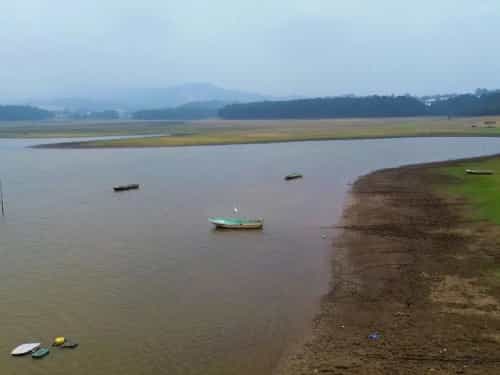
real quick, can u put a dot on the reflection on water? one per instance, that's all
(142, 280)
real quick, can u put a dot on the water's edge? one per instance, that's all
(296, 357)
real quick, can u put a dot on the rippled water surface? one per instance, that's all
(142, 281)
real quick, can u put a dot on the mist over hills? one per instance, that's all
(135, 99)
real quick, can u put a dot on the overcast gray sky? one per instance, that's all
(275, 47)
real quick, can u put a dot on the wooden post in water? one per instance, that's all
(1, 198)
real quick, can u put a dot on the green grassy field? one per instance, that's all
(215, 132)
(482, 191)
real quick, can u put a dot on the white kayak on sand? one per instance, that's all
(25, 348)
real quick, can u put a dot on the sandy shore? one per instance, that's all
(408, 267)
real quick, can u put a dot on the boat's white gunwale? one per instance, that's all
(25, 348)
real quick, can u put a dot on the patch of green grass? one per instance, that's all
(482, 191)
(496, 273)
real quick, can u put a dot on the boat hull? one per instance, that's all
(40, 353)
(229, 223)
(69, 345)
(25, 348)
(293, 176)
(126, 187)
(478, 171)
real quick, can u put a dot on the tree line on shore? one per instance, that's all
(488, 103)
(468, 105)
(368, 106)
(189, 111)
(23, 113)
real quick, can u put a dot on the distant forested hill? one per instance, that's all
(341, 107)
(189, 111)
(23, 113)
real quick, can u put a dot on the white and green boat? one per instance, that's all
(236, 223)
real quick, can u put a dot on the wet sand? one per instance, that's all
(410, 266)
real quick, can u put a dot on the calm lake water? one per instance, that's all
(142, 281)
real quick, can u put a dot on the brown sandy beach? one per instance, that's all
(408, 266)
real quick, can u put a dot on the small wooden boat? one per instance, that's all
(235, 223)
(479, 171)
(293, 176)
(126, 187)
(40, 353)
(25, 348)
(68, 344)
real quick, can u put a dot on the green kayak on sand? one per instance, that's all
(40, 353)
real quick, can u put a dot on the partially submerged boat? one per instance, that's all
(69, 344)
(236, 223)
(40, 353)
(126, 187)
(25, 348)
(293, 176)
(479, 171)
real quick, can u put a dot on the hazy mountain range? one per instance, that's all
(149, 98)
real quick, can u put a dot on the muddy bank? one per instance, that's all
(409, 266)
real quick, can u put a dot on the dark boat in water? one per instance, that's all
(293, 176)
(69, 344)
(126, 187)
